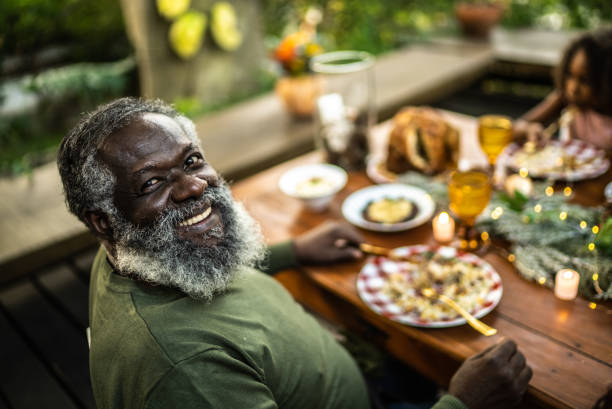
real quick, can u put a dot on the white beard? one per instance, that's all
(156, 255)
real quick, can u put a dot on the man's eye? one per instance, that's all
(150, 183)
(193, 160)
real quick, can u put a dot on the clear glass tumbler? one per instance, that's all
(345, 110)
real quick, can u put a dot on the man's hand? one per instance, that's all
(328, 243)
(495, 378)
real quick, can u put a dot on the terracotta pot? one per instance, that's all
(477, 19)
(299, 94)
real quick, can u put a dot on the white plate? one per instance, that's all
(372, 280)
(593, 161)
(354, 205)
(377, 170)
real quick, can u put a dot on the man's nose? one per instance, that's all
(188, 187)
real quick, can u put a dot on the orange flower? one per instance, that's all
(286, 50)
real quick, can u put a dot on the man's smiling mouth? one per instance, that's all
(197, 218)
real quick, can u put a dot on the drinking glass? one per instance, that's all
(494, 133)
(469, 193)
(345, 108)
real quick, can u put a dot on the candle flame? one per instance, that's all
(443, 217)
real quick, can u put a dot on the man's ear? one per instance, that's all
(98, 223)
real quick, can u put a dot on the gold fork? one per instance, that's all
(385, 252)
(475, 323)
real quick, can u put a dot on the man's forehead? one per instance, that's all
(160, 120)
(150, 137)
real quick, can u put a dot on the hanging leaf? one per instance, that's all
(604, 238)
(515, 202)
(171, 9)
(224, 26)
(186, 34)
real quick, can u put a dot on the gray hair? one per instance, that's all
(88, 183)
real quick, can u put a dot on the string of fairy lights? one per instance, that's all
(549, 191)
(539, 205)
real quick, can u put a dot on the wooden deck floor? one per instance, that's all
(43, 346)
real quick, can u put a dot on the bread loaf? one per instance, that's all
(420, 139)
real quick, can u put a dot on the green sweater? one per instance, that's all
(251, 347)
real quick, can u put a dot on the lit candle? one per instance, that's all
(443, 227)
(566, 284)
(520, 183)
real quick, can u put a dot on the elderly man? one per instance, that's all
(179, 316)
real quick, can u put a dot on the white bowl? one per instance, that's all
(353, 206)
(315, 185)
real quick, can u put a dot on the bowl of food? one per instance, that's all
(315, 184)
(390, 207)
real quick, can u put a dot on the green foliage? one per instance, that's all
(193, 107)
(88, 82)
(374, 26)
(25, 144)
(379, 26)
(94, 29)
(603, 242)
(546, 235)
(29, 140)
(558, 14)
(515, 202)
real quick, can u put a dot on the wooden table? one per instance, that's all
(568, 344)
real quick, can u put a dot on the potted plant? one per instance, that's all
(477, 18)
(297, 87)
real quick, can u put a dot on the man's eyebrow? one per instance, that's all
(152, 166)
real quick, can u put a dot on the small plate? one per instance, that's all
(377, 170)
(353, 206)
(592, 161)
(375, 275)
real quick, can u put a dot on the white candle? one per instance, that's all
(443, 227)
(520, 183)
(566, 284)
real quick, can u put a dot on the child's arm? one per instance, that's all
(547, 110)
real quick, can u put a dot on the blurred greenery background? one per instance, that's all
(62, 57)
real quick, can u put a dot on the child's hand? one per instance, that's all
(530, 132)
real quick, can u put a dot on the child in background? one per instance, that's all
(583, 95)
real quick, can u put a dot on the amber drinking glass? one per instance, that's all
(494, 133)
(469, 193)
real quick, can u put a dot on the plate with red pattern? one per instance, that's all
(570, 160)
(393, 288)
